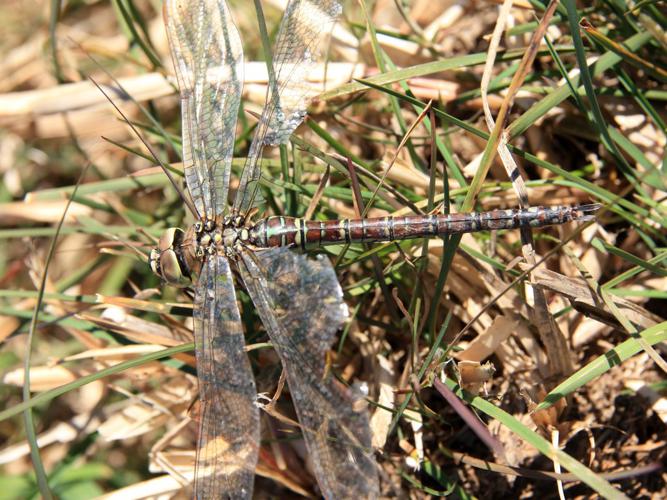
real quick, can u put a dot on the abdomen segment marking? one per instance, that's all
(290, 231)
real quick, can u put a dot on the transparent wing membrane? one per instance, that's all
(298, 299)
(299, 49)
(208, 59)
(229, 423)
(300, 303)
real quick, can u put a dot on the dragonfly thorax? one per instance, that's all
(234, 235)
(179, 255)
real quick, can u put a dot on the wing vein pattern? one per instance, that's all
(302, 37)
(228, 441)
(301, 305)
(208, 59)
(298, 298)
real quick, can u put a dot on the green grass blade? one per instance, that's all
(46, 396)
(604, 363)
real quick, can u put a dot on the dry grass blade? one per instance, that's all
(558, 354)
(589, 303)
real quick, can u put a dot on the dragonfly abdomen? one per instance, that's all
(294, 232)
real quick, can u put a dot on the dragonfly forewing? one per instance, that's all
(302, 40)
(207, 54)
(208, 59)
(300, 303)
(228, 440)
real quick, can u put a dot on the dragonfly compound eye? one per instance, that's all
(166, 262)
(154, 261)
(172, 271)
(171, 238)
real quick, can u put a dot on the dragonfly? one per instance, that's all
(297, 297)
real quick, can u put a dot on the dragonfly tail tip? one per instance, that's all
(587, 212)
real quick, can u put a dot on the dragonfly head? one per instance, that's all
(167, 259)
